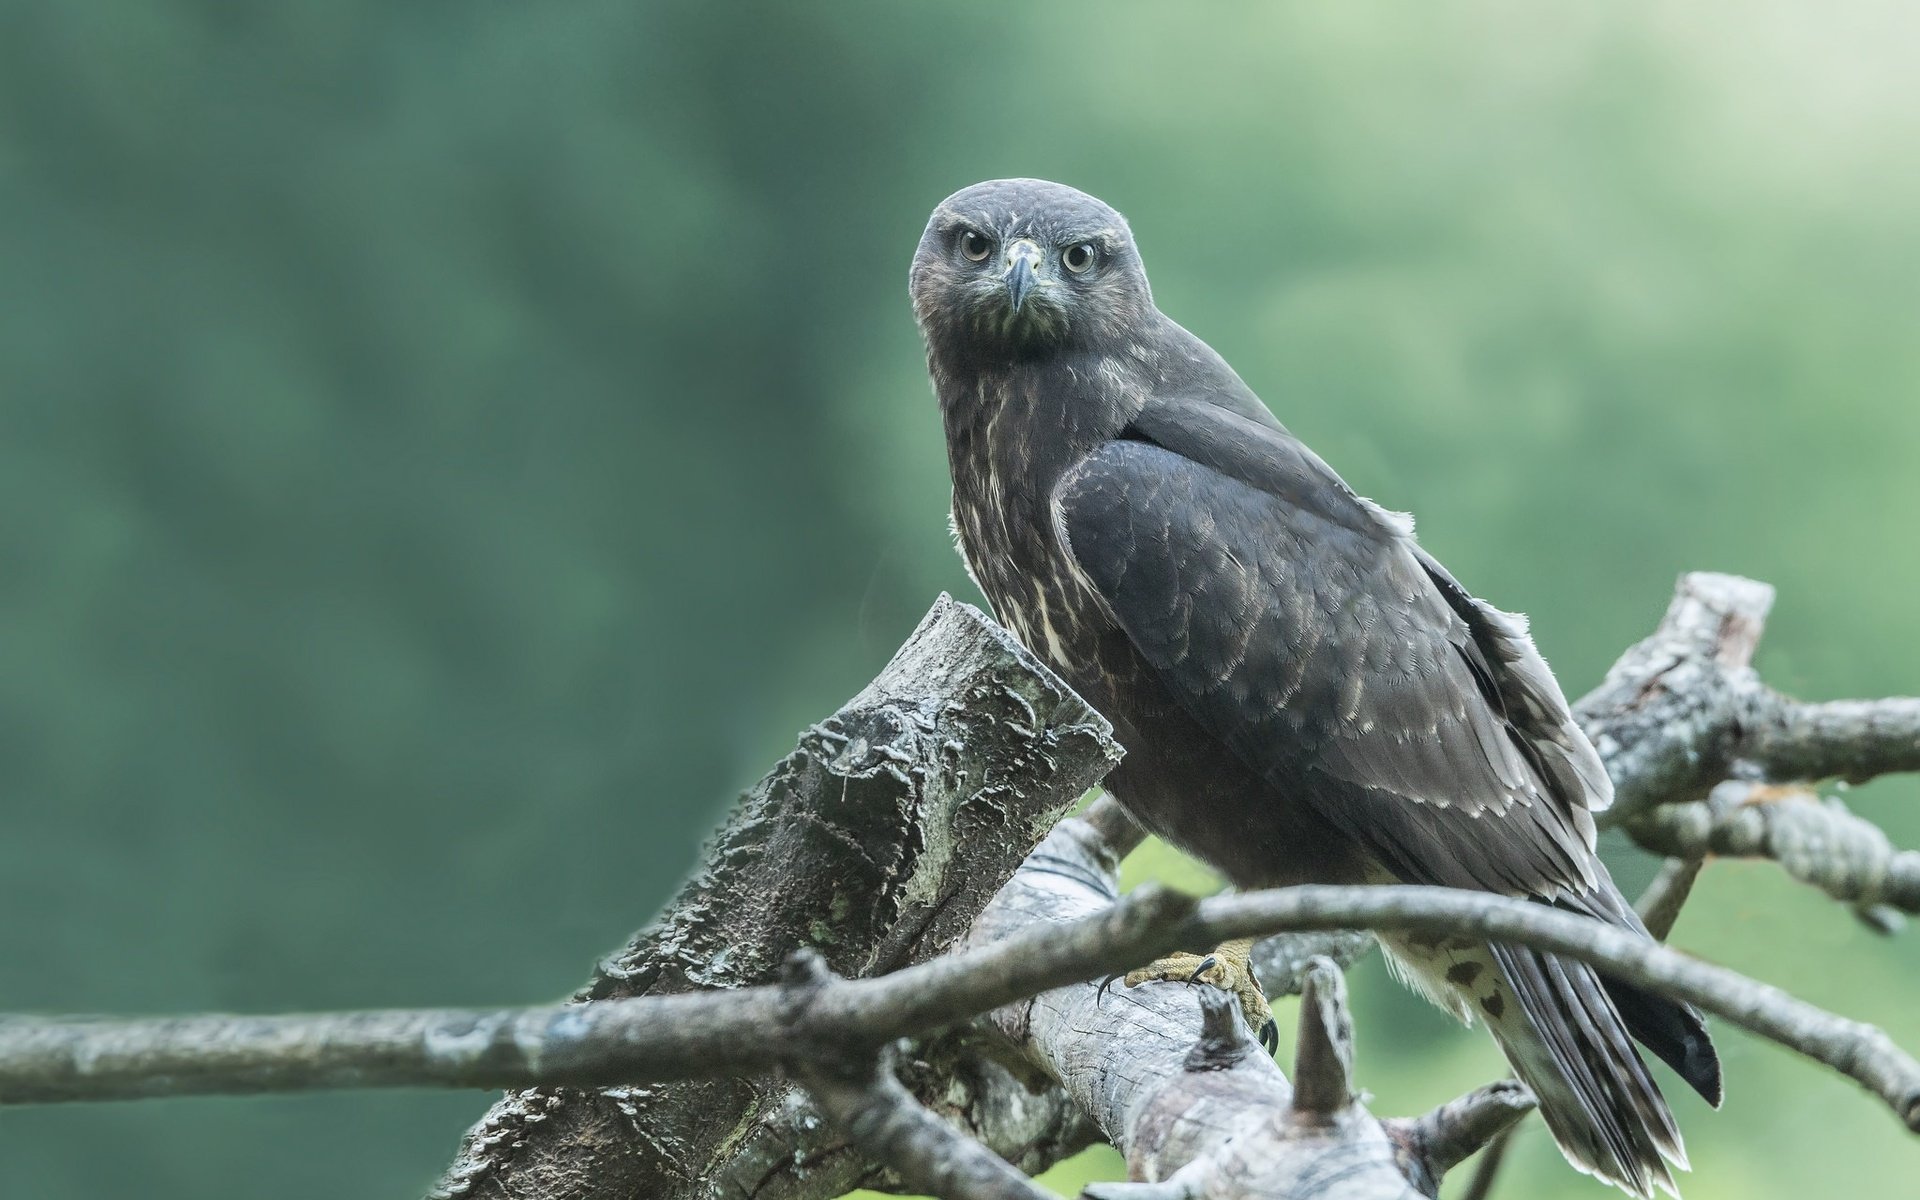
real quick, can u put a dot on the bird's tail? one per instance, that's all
(1568, 1032)
(1567, 1040)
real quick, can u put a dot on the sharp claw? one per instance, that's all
(1206, 964)
(1100, 993)
(1270, 1037)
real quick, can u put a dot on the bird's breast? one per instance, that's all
(1010, 439)
(1024, 574)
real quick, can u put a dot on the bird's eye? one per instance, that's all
(1078, 258)
(975, 245)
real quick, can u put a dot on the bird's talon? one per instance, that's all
(1228, 968)
(1270, 1037)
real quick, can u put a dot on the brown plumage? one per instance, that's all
(1304, 694)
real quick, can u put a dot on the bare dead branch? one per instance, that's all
(1853, 740)
(1323, 1047)
(1659, 906)
(1187, 1184)
(927, 1153)
(722, 1033)
(1817, 840)
(1117, 830)
(968, 1078)
(1183, 1088)
(1683, 710)
(876, 842)
(1857, 1050)
(1451, 1133)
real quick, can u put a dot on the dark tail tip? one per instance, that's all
(1675, 1032)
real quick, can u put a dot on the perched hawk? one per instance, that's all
(1304, 694)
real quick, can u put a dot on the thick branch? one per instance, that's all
(1683, 710)
(876, 842)
(1853, 740)
(1818, 841)
(1175, 1079)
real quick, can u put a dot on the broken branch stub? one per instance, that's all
(875, 844)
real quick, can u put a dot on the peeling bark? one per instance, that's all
(874, 843)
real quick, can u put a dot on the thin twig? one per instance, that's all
(1659, 906)
(1487, 1170)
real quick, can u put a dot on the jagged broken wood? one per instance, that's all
(876, 842)
(1683, 710)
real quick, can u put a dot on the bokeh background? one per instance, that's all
(447, 450)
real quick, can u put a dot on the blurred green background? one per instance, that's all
(447, 450)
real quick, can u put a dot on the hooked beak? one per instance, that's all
(1022, 257)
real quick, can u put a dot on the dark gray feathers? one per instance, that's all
(1305, 695)
(1301, 626)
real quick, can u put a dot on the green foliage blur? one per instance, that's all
(447, 450)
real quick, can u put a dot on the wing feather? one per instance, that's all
(1303, 626)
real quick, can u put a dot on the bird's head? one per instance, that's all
(1013, 267)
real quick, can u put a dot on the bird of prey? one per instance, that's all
(1304, 694)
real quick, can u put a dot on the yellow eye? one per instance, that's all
(1079, 258)
(975, 245)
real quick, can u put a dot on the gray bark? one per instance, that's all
(875, 843)
(1173, 1077)
(1684, 710)
(1817, 840)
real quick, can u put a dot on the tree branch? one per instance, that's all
(1458, 1129)
(1853, 740)
(927, 1153)
(1174, 1078)
(1683, 710)
(876, 842)
(1818, 841)
(747, 1031)
(851, 847)
(884, 1119)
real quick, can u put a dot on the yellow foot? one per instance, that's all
(1229, 968)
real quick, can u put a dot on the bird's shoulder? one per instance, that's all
(1228, 432)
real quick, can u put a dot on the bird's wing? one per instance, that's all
(1301, 625)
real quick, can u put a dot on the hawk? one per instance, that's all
(1305, 695)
